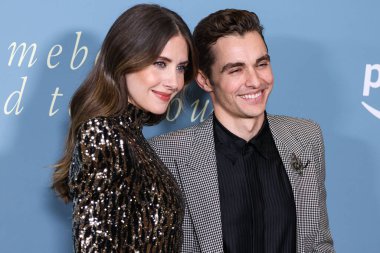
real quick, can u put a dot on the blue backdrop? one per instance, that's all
(326, 64)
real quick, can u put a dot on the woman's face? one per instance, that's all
(152, 88)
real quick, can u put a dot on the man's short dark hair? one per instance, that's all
(220, 24)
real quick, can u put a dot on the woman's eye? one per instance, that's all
(182, 68)
(160, 64)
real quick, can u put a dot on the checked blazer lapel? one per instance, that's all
(199, 180)
(304, 186)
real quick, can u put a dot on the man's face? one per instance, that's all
(241, 77)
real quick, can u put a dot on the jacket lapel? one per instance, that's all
(304, 184)
(199, 180)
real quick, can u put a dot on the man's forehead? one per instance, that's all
(239, 48)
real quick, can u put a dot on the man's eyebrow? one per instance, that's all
(232, 65)
(263, 58)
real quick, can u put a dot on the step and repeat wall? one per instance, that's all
(326, 63)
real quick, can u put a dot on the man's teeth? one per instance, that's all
(251, 96)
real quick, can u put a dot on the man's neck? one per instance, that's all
(245, 128)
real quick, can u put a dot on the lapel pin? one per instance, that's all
(297, 165)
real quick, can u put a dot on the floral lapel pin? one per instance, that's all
(297, 165)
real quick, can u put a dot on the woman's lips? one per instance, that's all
(163, 95)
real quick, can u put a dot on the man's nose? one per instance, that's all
(252, 78)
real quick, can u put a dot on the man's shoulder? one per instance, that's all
(292, 122)
(176, 133)
(186, 133)
(302, 129)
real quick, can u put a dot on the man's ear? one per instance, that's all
(203, 81)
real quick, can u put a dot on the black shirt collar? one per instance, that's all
(261, 142)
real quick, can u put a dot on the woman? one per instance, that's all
(124, 198)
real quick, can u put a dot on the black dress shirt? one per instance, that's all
(257, 205)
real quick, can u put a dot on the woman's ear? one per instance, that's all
(203, 81)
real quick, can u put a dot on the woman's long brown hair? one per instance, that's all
(134, 41)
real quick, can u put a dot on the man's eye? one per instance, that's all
(234, 71)
(262, 64)
(160, 64)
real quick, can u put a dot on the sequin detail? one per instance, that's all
(124, 198)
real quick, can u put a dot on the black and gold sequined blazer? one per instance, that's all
(124, 198)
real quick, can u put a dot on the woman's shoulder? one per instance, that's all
(100, 122)
(100, 125)
(96, 139)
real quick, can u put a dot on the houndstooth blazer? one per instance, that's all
(190, 155)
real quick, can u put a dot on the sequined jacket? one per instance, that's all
(124, 198)
(190, 155)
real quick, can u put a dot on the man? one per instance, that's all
(252, 182)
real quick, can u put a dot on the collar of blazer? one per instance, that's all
(199, 180)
